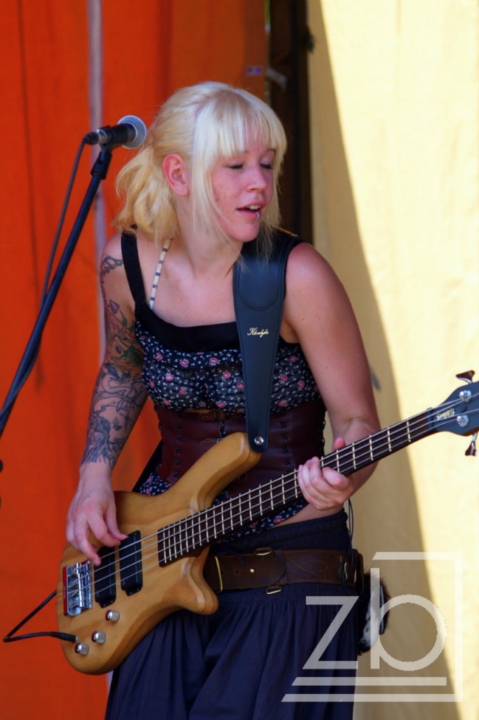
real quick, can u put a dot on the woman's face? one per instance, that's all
(243, 186)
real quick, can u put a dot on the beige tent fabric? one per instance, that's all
(394, 117)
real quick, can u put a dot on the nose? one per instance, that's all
(259, 178)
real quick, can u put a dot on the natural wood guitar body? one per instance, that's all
(165, 589)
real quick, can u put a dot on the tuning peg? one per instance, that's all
(466, 376)
(471, 450)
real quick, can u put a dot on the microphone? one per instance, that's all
(129, 132)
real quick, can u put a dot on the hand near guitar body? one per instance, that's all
(93, 512)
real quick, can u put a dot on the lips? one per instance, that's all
(251, 211)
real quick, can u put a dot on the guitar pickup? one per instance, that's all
(130, 563)
(105, 578)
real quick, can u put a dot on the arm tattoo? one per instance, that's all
(117, 402)
(119, 392)
(121, 341)
(107, 265)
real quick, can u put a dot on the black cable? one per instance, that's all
(61, 220)
(20, 381)
(60, 636)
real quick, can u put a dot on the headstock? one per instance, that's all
(460, 412)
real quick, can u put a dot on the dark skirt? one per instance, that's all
(241, 663)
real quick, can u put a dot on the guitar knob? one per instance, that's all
(112, 615)
(98, 637)
(81, 649)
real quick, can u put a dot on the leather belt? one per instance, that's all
(270, 569)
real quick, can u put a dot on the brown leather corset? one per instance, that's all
(294, 436)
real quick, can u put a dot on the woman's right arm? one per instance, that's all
(118, 398)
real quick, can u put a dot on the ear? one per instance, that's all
(177, 175)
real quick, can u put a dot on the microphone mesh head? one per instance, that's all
(139, 128)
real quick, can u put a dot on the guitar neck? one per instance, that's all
(372, 448)
(214, 523)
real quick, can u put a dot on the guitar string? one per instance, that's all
(182, 525)
(362, 451)
(274, 489)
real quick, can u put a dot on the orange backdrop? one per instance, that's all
(44, 76)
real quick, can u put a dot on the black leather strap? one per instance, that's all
(129, 251)
(259, 288)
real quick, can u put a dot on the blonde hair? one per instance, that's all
(202, 123)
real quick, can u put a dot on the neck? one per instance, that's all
(206, 255)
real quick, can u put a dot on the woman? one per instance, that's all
(203, 185)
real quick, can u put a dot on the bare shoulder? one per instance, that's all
(113, 278)
(122, 349)
(112, 270)
(112, 256)
(313, 290)
(319, 315)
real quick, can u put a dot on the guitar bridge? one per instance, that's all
(77, 588)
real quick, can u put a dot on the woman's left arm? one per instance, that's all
(318, 315)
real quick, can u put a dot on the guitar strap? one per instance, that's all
(259, 288)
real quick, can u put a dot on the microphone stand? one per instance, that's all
(99, 173)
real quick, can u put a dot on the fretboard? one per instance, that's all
(199, 530)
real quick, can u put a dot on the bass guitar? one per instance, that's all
(105, 611)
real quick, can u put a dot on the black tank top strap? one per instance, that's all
(129, 250)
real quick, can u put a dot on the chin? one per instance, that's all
(245, 236)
